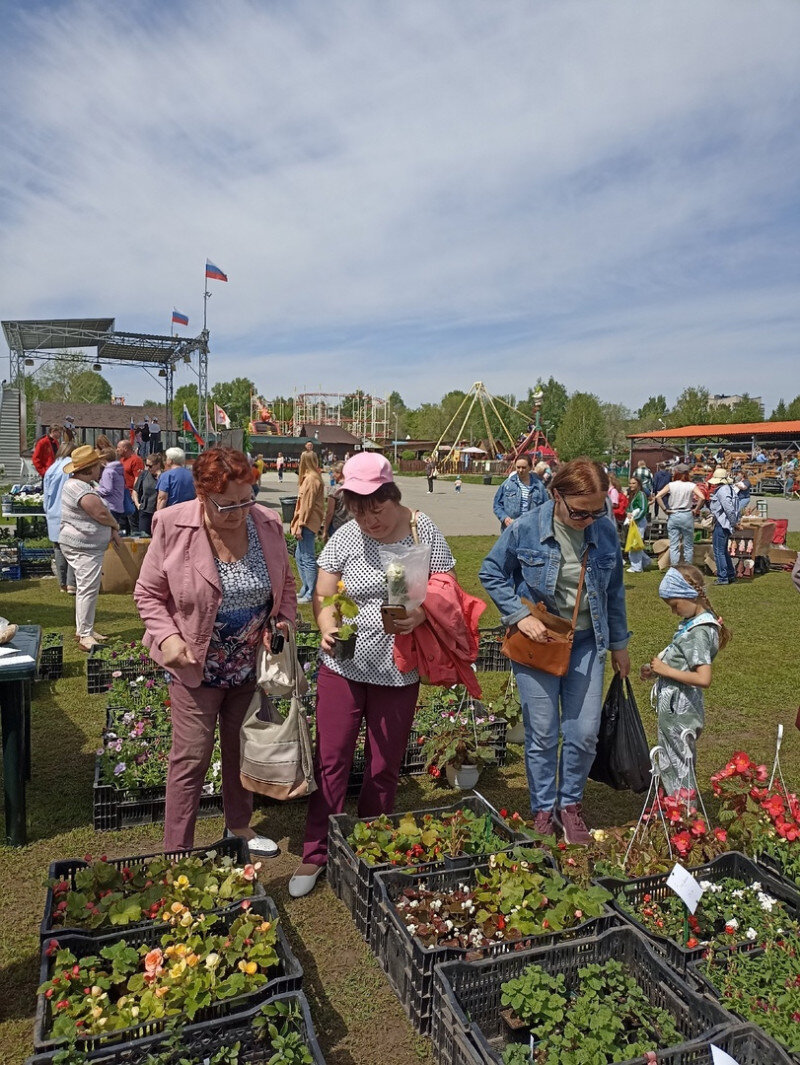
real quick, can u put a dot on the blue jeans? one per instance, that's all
(66, 574)
(639, 560)
(558, 777)
(306, 563)
(726, 571)
(680, 527)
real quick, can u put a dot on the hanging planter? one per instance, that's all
(464, 778)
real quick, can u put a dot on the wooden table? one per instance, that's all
(15, 719)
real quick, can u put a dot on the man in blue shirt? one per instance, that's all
(176, 484)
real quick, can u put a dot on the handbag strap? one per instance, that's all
(414, 529)
(580, 588)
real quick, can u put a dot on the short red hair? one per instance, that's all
(216, 468)
(580, 477)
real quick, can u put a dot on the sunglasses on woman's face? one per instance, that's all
(582, 515)
(232, 506)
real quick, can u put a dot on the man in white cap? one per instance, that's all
(726, 506)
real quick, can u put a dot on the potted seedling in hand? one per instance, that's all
(345, 613)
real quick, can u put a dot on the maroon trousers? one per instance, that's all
(194, 713)
(341, 706)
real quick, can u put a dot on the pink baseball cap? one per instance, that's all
(365, 473)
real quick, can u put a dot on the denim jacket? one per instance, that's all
(525, 561)
(508, 497)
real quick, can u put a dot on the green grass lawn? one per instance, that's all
(357, 1016)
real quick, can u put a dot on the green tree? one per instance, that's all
(653, 408)
(691, 408)
(793, 409)
(234, 398)
(779, 414)
(746, 410)
(617, 421)
(68, 378)
(583, 428)
(90, 387)
(554, 404)
(186, 394)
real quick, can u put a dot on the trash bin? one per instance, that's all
(487, 479)
(288, 504)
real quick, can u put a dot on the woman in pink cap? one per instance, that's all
(369, 687)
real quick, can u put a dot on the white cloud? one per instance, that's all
(415, 195)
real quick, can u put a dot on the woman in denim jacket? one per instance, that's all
(519, 493)
(540, 558)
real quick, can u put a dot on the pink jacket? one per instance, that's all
(178, 590)
(443, 648)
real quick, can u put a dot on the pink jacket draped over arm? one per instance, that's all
(179, 591)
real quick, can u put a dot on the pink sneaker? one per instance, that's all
(575, 830)
(543, 823)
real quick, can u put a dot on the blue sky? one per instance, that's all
(415, 195)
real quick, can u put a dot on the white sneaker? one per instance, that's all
(261, 845)
(301, 885)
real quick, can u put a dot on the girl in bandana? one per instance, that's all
(682, 671)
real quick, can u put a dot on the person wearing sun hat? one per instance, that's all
(87, 526)
(369, 687)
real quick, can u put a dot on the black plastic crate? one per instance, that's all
(205, 1039)
(115, 808)
(233, 847)
(51, 662)
(409, 966)
(36, 554)
(352, 878)
(414, 761)
(699, 971)
(490, 660)
(99, 670)
(35, 569)
(288, 977)
(775, 869)
(467, 1026)
(733, 864)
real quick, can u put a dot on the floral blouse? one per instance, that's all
(241, 618)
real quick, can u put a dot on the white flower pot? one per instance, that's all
(464, 778)
(516, 733)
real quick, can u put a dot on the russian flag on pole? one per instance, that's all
(214, 272)
(190, 427)
(178, 318)
(221, 418)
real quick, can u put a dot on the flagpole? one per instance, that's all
(206, 295)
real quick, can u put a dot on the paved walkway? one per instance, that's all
(468, 513)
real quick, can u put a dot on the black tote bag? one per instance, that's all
(622, 759)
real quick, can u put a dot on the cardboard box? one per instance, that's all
(121, 567)
(781, 556)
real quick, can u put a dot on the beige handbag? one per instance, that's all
(276, 754)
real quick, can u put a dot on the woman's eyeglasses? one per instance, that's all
(582, 515)
(231, 506)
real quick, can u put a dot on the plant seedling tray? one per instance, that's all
(288, 977)
(409, 966)
(115, 808)
(233, 847)
(467, 1026)
(352, 879)
(733, 864)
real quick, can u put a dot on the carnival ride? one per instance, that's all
(533, 440)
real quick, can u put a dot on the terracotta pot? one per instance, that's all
(464, 778)
(516, 733)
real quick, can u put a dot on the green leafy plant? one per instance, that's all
(412, 842)
(517, 896)
(606, 1018)
(345, 611)
(52, 639)
(125, 986)
(106, 895)
(457, 740)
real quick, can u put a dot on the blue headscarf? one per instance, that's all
(675, 586)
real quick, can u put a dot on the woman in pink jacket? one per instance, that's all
(216, 571)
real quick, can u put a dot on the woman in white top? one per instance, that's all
(87, 526)
(685, 500)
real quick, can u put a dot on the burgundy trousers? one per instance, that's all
(194, 714)
(341, 706)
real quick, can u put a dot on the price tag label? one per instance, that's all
(719, 1057)
(685, 887)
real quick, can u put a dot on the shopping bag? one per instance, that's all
(622, 758)
(634, 541)
(276, 673)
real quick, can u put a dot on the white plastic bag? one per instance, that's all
(407, 570)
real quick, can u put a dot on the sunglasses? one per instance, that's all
(231, 506)
(582, 515)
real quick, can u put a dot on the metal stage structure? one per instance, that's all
(367, 417)
(45, 340)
